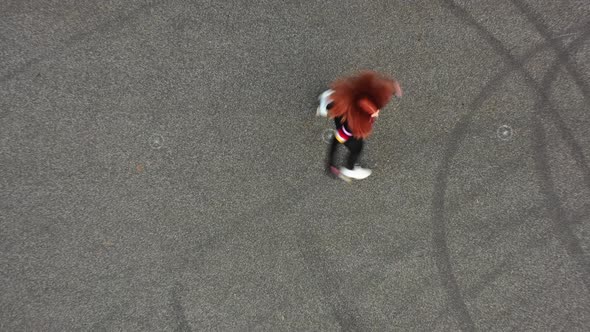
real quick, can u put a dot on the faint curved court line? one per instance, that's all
(440, 247)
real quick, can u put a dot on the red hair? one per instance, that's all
(356, 98)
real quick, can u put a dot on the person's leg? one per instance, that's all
(355, 147)
(332, 151)
(334, 144)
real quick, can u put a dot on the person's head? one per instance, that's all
(375, 87)
(360, 97)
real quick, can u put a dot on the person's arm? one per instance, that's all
(398, 89)
(366, 105)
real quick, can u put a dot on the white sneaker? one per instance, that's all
(358, 173)
(324, 101)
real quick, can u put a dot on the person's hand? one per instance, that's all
(398, 89)
(376, 114)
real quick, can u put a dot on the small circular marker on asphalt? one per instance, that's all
(327, 135)
(504, 133)
(156, 141)
(139, 168)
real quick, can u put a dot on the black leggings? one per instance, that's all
(355, 147)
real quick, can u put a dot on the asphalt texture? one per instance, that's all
(162, 168)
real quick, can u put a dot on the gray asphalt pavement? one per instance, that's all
(162, 167)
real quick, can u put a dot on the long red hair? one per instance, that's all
(350, 100)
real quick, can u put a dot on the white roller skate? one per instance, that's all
(357, 173)
(324, 102)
